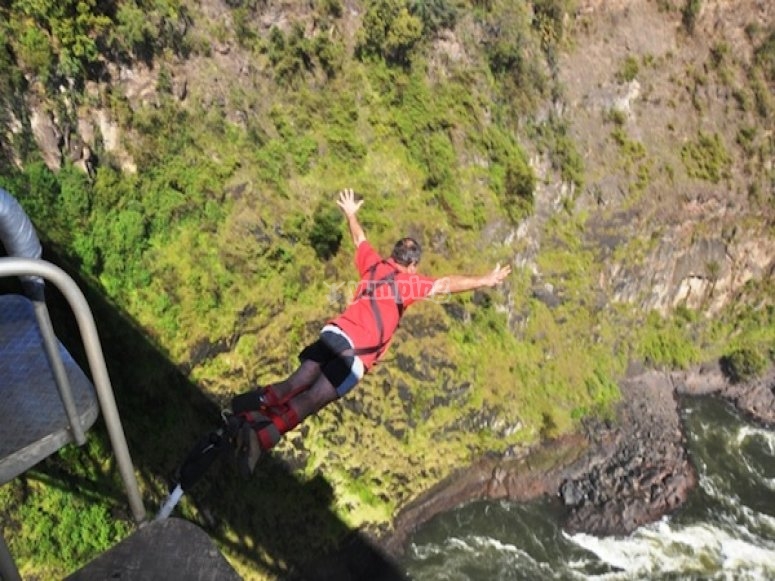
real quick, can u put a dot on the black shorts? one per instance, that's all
(337, 360)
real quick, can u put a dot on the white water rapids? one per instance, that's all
(726, 531)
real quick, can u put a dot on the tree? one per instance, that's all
(33, 48)
(434, 14)
(39, 197)
(134, 30)
(389, 31)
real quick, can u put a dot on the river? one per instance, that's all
(726, 530)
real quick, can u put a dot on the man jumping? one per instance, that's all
(350, 344)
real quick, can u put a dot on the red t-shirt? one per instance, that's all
(358, 320)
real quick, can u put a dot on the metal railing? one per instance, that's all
(24, 267)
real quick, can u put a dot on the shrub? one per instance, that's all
(764, 57)
(568, 160)
(628, 71)
(74, 197)
(333, 8)
(34, 52)
(554, 139)
(272, 163)
(434, 14)
(135, 30)
(291, 55)
(602, 390)
(706, 158)
(439, 158)
(744, 363)
(519, 187)
(690, 12)
(615, 116)
(329, 54)
(765, 103)
(666, 343)
(345, 144)
(294, 54)
(38, 191)
(325, 236)
(511, 176)
(389, 31)
(549, 19)
(511, 46)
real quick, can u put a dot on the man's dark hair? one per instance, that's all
(407, 251)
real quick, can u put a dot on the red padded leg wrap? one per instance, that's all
(268, 435)
(271, 423)
(283, 417)
(269, 396)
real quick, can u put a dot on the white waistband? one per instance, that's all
(338, 331)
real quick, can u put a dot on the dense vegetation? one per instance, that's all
(220, 256)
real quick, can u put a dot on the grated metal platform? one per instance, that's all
(33, 423)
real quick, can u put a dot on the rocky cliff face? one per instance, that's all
(676, 204)
(640, 90)
(670, 236)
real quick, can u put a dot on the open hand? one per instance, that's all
(347, 202)
(497, 275)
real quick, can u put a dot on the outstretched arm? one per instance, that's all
(458, 283)
(350, 208)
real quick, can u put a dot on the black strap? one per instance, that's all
(369, 291)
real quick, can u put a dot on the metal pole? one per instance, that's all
(8, 570)
(51, 347)
(13, 266)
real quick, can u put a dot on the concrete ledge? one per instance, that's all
(169, 549)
